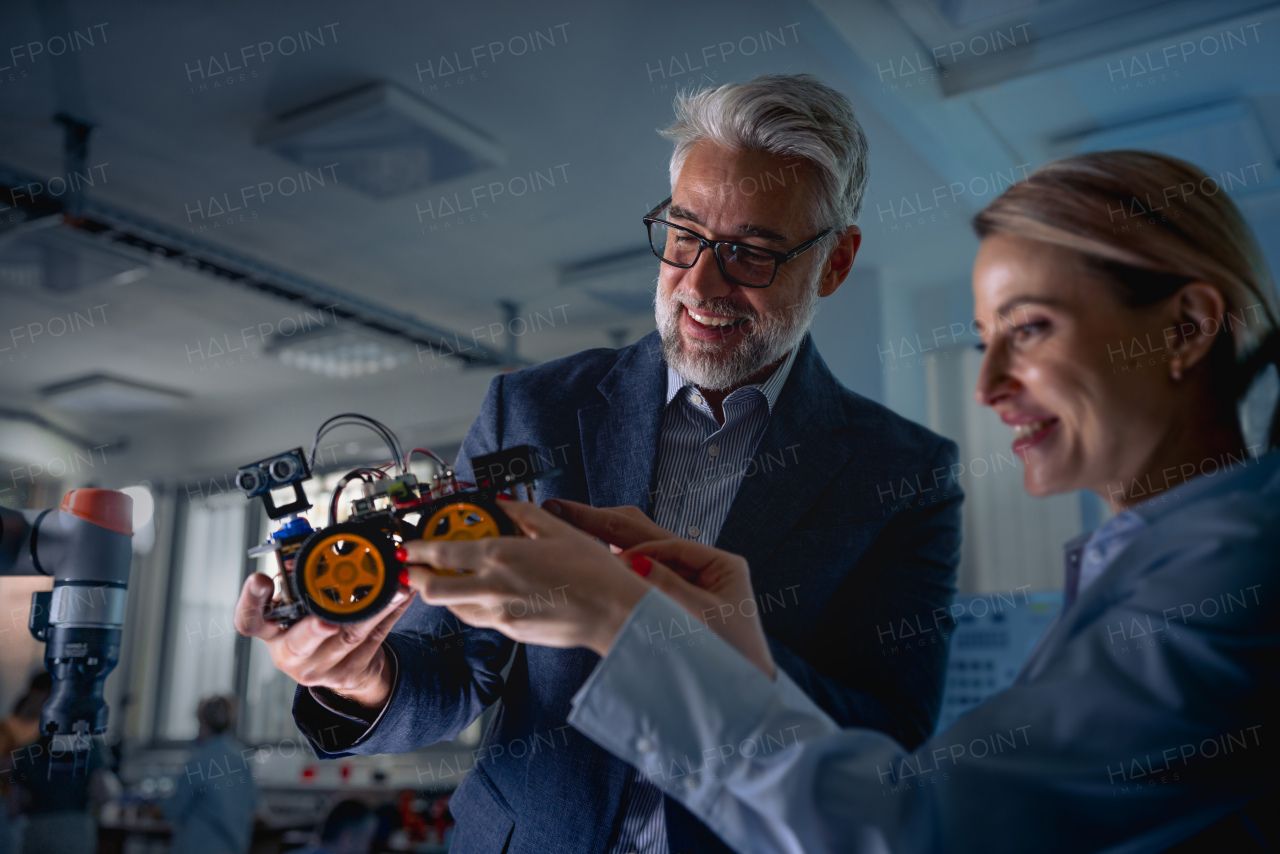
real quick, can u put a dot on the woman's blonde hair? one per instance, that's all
(1149, 224)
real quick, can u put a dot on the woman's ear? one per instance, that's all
(1199, 308)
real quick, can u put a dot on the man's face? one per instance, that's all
(720, 334)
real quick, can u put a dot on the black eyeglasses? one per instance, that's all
(740, 263)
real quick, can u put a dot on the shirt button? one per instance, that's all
(644, 745)
(694, 530)
(713, 450)
(697, 399)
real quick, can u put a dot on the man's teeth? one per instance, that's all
(1022, 431)
(713, 321)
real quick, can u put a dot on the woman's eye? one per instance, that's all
(1028, 330)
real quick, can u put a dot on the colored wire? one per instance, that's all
(356, 419)
(372, 423)
(429, 453)
(364, 473)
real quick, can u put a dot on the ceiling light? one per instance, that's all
(381, 140)
(339, 354)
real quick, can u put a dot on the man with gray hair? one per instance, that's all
(724, 426)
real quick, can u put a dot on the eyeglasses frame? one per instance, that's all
(779, 258)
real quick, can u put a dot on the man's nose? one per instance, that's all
(704, 280)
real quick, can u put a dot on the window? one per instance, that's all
(201, 655)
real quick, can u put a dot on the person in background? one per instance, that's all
(1118, 345)
(215, 796)
(348, 828)
(23, 726)
(60, 812)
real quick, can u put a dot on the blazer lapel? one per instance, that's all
(620, 433)
(810, 433)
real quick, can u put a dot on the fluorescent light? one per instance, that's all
(340, 355)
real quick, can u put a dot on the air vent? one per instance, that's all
(384, 141)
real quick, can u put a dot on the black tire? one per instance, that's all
(347, 580)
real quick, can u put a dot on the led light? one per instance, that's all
(342, 355)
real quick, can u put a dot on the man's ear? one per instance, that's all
(841, 261)
(1199, 308)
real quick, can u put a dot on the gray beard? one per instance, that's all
(704, 363)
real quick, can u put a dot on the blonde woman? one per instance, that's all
(1117, 348)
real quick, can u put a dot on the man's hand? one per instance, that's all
(348, 660)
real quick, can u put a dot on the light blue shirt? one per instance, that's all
(1105, 545)
(700, 466)
(1137, 723)
(214, 799)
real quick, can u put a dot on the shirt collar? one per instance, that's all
(771, 387)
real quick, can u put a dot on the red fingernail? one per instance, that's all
(641, 566)
(404, 577)
(402, 554)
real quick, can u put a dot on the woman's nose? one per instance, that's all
(994, 380)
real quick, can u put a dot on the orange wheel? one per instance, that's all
(464, 517)
(347, 572)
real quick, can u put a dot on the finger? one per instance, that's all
(378, 629)
(536, 522)
(688, 596)
(351, 636)
(437, 589)
(684, 556)
(625, 529)
(460, 555)
(254, 598)
(304, 637)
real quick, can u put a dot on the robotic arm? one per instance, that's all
(85, 546)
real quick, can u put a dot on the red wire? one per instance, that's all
(426, 451)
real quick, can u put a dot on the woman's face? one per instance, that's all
(1081, 379)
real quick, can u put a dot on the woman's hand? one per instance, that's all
(559, 587)
(712, 585)
(564, 589)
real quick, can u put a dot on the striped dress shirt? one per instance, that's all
(701, 464)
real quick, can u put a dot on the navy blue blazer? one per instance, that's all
(850, 521)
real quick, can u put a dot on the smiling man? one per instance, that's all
(725, 426)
